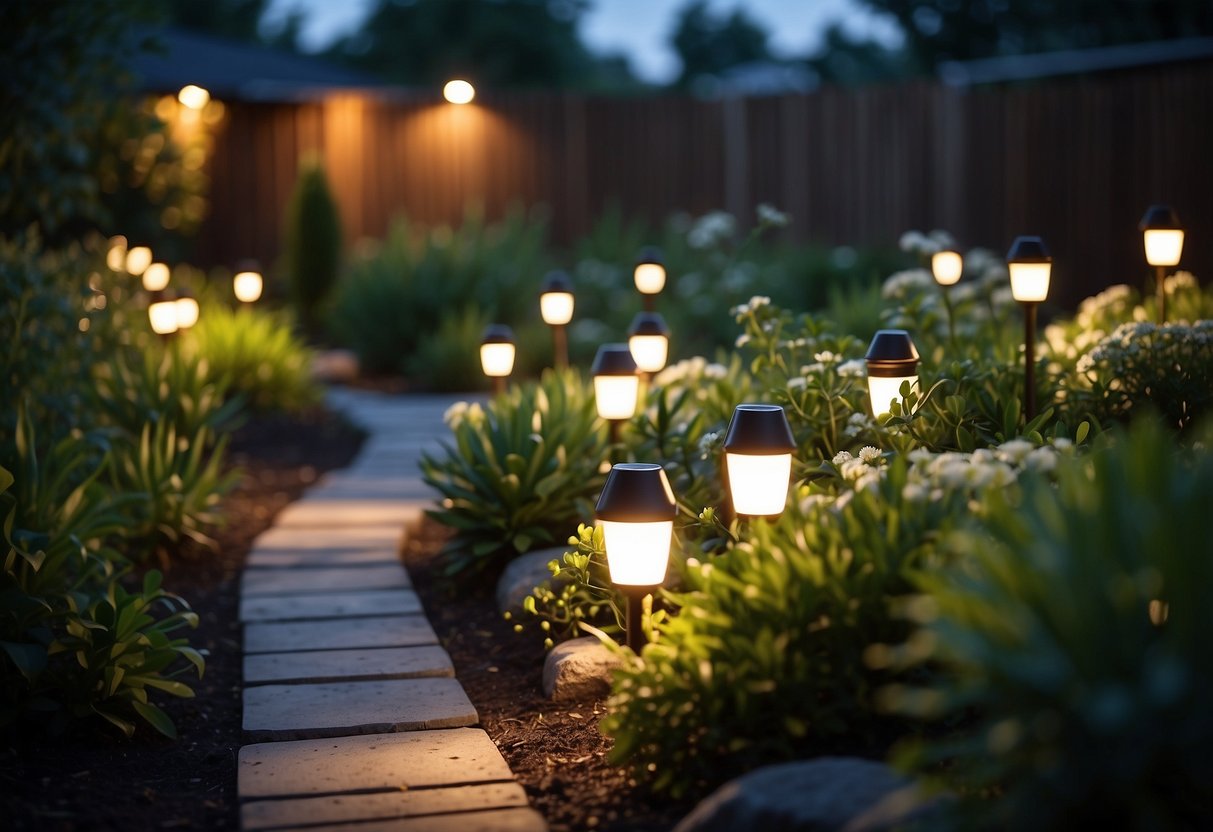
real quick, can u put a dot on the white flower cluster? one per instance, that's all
(926, 244)
(901, 284)
(754, 303)
(931, 475)
(863, 471)
(711, 230)
(772, 216)
(1180, 281)
(1170, 347)
(690, 370)
(458, 412)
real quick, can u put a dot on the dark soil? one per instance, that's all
(93, 778)
(555, 750)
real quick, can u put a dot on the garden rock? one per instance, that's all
(578, 670)
(831, 794)
(522, 575)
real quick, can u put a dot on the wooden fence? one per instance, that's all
(1076, 161)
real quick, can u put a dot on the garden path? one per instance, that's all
(352, 706)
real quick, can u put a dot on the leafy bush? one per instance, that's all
(1142, 367)
(396, 296)
(774, 650)
(75, 641)
(520, 472)
(312, 247)
(1071, 636)
(254, 354)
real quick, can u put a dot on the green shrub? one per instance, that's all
(773, 651)
(1071, 640)
(312, 243)
(520, 473)
(1142, 367)
(253, 354)
(398, 296)
(76, 643)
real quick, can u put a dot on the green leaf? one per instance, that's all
(157, 718)
(30, 659)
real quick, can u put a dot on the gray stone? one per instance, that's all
(373, 491)
(523, 574)
(578, 670)
(497, 820)
(296, 581)
(371, 536)
(382, 762)
(353, 633)
(830, 794)
(344, 557)
(330, 513)
(313, 605)
(347, 808)
(342, 709)
(339, 665)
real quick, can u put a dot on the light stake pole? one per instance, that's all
(616, 386)
(1030, 266)
(649, 275)
(497, 350)
(556, 307)
(1164, 242)
(637, 510)
(947, 266)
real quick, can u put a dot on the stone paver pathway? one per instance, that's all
(355, 718)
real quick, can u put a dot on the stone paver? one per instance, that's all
(346, 808)
(345, 665)
(365, 726)
(376, 762)
(351, 557)
(347, 634)
(342, 709)
(337, 579)
(371, 536)
(497, 820)
(347, 604)
(328, 513)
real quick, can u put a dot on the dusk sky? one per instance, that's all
(641, 28)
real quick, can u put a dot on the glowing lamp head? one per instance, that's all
(947, 266)
(758, 457)
(556, 299)
(115, 255)
(637, 510)
(892, 359)
(1163, 235)
(497, 351)
(156, 277)
(138, 259)
(1029, 265)
(649, 341)
(162, 315)
(247, 283)
(458, 91)
(187, 311)
(649, 273)
(616, 383)
(194, 97)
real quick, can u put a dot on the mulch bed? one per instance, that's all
(93, 778)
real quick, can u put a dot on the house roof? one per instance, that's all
(1074, 61)
(237, 71)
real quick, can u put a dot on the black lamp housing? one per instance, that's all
(556, 281)
(497, 334)
(1028, 250)
(892, 354)
(1160, 218)
(614, 360)
(636, 492)
(648, 323)
(650, 255)
(759, 430)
